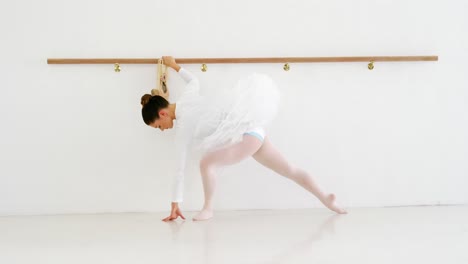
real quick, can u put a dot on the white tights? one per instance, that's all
(267, 155)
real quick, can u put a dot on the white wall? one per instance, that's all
(73, 141)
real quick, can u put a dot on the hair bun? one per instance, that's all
(145, 99)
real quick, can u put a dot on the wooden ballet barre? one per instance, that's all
(246, 60)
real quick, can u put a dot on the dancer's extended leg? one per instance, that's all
(271, 158)
(223, 157)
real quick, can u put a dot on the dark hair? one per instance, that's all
(151, 106)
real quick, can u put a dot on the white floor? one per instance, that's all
(372, 235)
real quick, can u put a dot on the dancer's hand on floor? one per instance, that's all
(175, 212)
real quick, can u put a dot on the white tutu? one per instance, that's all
(253, 102)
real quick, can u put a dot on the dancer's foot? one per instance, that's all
(204, 214)
(331, 204)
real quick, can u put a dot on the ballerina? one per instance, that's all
(228, 127)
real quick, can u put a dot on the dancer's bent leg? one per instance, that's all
(223, 157)
(271, 158)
